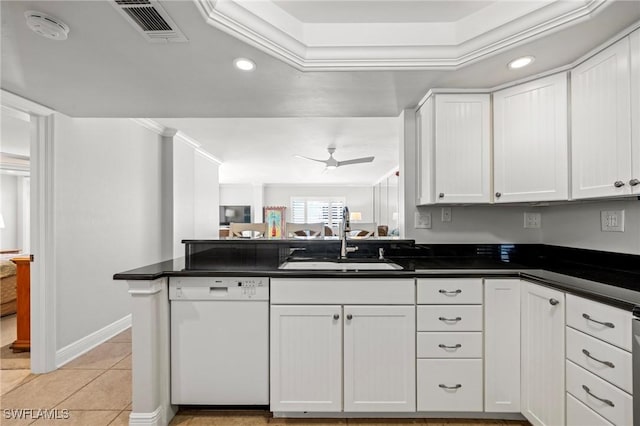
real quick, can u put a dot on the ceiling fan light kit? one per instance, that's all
(331, 163)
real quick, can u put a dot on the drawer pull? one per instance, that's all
(457, 346)
(607, 363)
(456, 319)
(452, 292)
(336, 316)
(443, 386)
(606, 324)
(553, 302)
(606, 401)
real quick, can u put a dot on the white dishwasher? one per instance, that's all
(219, 340)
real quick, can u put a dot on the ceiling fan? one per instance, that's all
(332, 163)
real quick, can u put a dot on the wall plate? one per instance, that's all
(612, 220)
(423, 220)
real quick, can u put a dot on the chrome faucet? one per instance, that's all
(346, 227)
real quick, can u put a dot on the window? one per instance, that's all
(327, 210)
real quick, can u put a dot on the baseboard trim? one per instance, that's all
(81, 346)
(146, 419)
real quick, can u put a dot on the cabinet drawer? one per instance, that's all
(454, 291)
(614, 404)
(449, 385)
(579, 414)
(605, 322)
(450, 318)
(614, 364)
(449, 345)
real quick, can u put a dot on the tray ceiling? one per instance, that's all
(315, 35)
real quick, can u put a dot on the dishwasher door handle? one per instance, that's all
(219, 291)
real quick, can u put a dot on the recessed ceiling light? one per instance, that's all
(244, 64)
(46, 26)
(521, 62)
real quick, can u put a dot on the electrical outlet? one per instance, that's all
(423, 220)
(612, 220)
(532, 220)
(446, 214)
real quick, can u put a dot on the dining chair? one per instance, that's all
(305, 229)
(257, 230)
(364, 229)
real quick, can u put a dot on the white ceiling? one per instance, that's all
(261, 150)
(379, 11)
(107, 69)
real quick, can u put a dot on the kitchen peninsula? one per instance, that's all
(453, 333)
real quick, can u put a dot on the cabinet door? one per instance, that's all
(634, 41)
(502, 345)
(543, 353)
(530, 141)
(379, 358)
(306, 358)
(462, 148)
(424, 167)
(600, 124)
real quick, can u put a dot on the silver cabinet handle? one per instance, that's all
(349, 316)
(456, 319)
(607, 363)
(618, 184)
(634, 182)
(606, 324)
(457, 346)
(498, 194)
(553, 302)
(451, 292)
(441, 195)
(443, 386)
(606, 401)
(336, 316)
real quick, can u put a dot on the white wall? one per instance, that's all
(358, 198)
(195, 195)
(9, 211)
(470, 224)
(578, 225)
(107, 193)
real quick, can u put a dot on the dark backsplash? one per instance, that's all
(608, 267)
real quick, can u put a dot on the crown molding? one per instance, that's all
(375, 46)
(10, 100)
(177, 135)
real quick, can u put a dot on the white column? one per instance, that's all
(257, 201)
(150, 347)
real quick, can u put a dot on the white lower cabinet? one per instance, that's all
(449, 384)
(579, 414)
(502, 345)
(342, 357)
(449, 355)
(379, 353)
(543, 355)
(306, 358)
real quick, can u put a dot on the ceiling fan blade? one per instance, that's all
(309, 158)
(356, 161)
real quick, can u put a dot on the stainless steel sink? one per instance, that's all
(340, 266)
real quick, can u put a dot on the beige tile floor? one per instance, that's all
(96, 390)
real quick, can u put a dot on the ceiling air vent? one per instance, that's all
(151, 20)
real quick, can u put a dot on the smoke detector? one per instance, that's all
(46, 26)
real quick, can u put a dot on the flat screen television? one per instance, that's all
(236, 214)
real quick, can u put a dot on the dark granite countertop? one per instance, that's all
(607, 281)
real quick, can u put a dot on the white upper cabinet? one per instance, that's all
(601, 124)
(455, 149)
(530, 141)
(634, 41)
